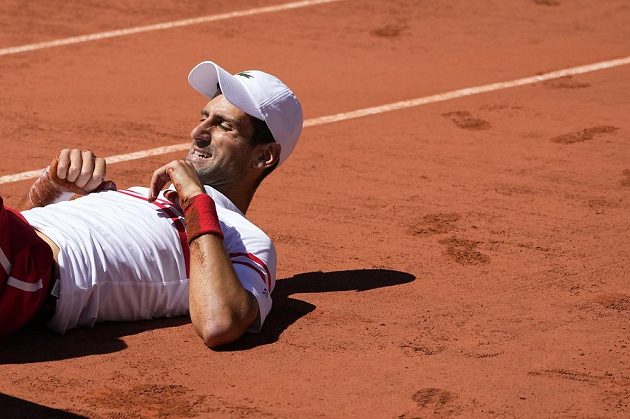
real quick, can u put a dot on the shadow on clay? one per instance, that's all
(19, 408)
(38, 344)
(287, 310)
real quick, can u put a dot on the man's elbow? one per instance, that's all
(223, 330)
(218, 333)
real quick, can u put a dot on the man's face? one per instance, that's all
(220, 151)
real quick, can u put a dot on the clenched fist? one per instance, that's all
(73, 171)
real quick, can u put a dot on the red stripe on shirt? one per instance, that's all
(258, 261)
(174, 217)
(262, 275)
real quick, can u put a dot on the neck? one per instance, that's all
(240, 196)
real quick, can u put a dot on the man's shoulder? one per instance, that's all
(238, 225)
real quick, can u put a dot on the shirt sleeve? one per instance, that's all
(257, 275)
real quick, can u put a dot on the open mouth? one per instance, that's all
(201, 155)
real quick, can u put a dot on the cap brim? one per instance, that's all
(206, 76)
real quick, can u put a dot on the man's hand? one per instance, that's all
(71, 172)
(79, 172)
(183, 176)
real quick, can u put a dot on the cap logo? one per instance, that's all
(245, 74)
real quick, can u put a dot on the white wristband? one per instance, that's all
(63, 196)
(44, 191)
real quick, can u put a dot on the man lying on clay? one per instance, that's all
(145, 253)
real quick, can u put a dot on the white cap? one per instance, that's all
(258, 94)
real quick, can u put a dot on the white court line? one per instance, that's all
(160, 26)
(322, 120)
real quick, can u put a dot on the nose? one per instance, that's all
(201, 135)
(198, 130)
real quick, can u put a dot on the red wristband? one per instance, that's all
(200, 214)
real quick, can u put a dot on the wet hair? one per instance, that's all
(262, 135)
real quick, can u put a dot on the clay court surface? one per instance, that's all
(468, 257)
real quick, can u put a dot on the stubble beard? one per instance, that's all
(209, 172)
(217, 176)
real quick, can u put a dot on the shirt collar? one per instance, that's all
(221, 200)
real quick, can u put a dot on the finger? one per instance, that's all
(98, 174)
(87, 170)
(52, 168)
(159, 179)
(63, 164)
(185, 180)
(75, 165)
(100, 167)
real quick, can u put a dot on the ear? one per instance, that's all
(267, 156)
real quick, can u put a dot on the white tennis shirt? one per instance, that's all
(123, 259)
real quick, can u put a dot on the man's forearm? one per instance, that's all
(221, 310)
